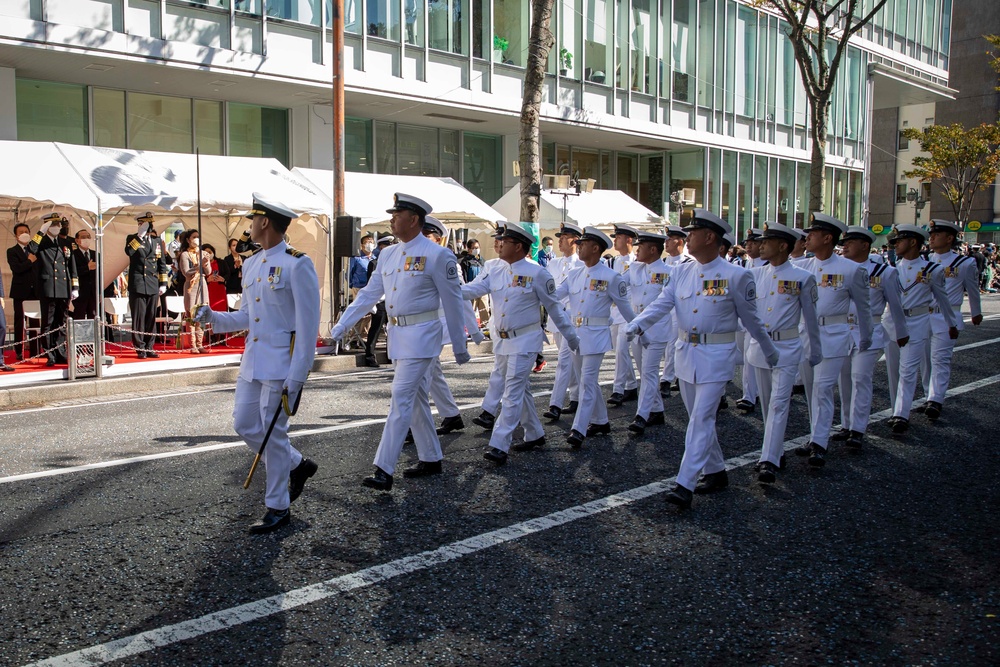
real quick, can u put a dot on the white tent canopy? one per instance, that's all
(597, 208)
(367, 196)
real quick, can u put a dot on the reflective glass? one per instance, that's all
(683, 50)
(760, 184)
(413, 22)
(570, 37)
(729, 205)
(383, 19)
(51, 112)
(385, 148)
(714, 202)
(586, 164)
(208, 127)
(802, 198)
(744, 196)
(643, 63)
(687, 178)
(257, 131)
(303, 11)
(449, 155)
(416, 150)
(510, 26)
(109, 117)
(446, 25)
(352, 15)
(746, 61)
(598, 42)
(706, 53)
(357, 145)
(482, 174)
(159, 123)
(628, 174)
(786, 191)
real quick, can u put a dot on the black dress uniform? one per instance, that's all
(57, 284)
(85, 305)
(24, 273)
(147, 279)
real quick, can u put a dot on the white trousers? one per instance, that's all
(750, 390)
(253, 410)
(494, 389)
(409, 409)
(820, 381)
(440, 392)
(567, 374)
(935, 367)
(902, 366)
(775, 398)
(518, 403)
(856, 389)
(701, 442)
(592, 409)
(624, 366)
(649, 359)
(669, 352)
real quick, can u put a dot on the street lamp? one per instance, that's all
(918, 204)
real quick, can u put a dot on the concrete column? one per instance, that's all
(8, 105)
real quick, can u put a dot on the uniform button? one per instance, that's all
(393, 289)
(694, 328)
(257, 299)
(258, 280)
(701, 275)
(697, 293)
(505, 300)
(767, 326)
(398, 270)
(255, 339)
(263, 261)
(769, 309)
(391, 307)
(772, 293)
(695, 310)
(256, 319)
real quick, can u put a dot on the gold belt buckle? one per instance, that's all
(694, 338)
(394, 320)
(579, 321)
(503, 334)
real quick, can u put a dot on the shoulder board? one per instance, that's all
(878, 270)
(959, 260)
(293, 252)
(930, 267)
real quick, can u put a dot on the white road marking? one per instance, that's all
(125, 647)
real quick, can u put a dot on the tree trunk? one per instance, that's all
(534, 77)
(817, 173)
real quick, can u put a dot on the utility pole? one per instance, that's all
(333, 259)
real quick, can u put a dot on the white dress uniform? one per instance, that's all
(856, 376)
(922, 284)
(786, 296)
(417, 277)
(590, 292)
(624, 365)
(710, 300)
(961, 277)
(670, 323)
(280, 308)
(646, 281)
(749, 377)
(840, 282)
(518, 295)
(494, 387)
(567, 379)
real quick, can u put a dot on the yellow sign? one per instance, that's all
(974, 226)
(877, 229)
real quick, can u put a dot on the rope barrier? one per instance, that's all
(42, 353)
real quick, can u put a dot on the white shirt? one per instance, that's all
(559, 268)
(961, 277)
(786, 295)
(840, 281)
(646, 281)
(590, 292)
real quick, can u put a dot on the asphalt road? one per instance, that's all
(561, 557)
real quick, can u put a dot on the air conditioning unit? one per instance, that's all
(687, 196)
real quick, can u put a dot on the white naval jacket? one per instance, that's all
(786, 296)
(559, 268)
(646, 281)
(519, 292)
(280, 296)
(590, 291)
(883, 290)
(417, 277)
(961, 277)
(621, 265)
(922, 287)
(708, 299)
(840, 281)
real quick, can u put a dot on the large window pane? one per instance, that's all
(449, 155)
(413, 19)
(586, 164)
(304, 11)
(51, 112)
(208, 127)
(159, 123)
(598, 42)
(383, 19)
(746, 61)
(570, 37)
(482, 175)
(744, 199)
(417, 150)
(683, 51)
(109, 117)
(481, 40)
(729, 204)
(385, 148)
(510, 26)
(687, 182)
(628, 175)
(357, 145)
(760, 185)
(786, 190)
(786, 75)
(446, 22)
(714, 178)
(706, 53)
(258, 132)
(802, 199)
(643, 64)
(352, 15)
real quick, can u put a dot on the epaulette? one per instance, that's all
(293, 252)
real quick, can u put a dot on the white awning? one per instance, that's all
(596, 208)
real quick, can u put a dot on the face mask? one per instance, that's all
(53, 232)
(548, 248)
(475, 252)
(210, 256)
(23, 239)
(84, 244)
(195, 242)
(369, 247)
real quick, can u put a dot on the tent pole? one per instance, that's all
(99, 286)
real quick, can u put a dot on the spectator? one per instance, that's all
(216, 283)
(231, 269)
(358, 278)
(472, 264)
(546, 253)
(975, 251)
(57, 285)
(23, 267)
(85, 306)
(378, 319)
(194, 287)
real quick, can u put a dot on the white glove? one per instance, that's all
(477, 336)
(293, 387)
(772, 359)
(163, 290)
(74, 294)
(573, 343)
(865, 344)
(631, 329)
(462, 357)
(204, 315)
(815, 358)
(44, 228)
(337, 333)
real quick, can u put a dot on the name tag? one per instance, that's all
(790, 287)
(521, 281)
(831, 280)
(715, 287)
(659, 278)
(598, 285)
(415, 264)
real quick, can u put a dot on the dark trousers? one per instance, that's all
(378, 322)
(19, 327)
(85, 307)
(143, 319)
(53, 318)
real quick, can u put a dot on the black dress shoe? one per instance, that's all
(50, 363)
(664, 389)
(423, 469)
(528, 445)
(921, 408)
(141, 354)
(681, 497)
(723, 404)
(451, 424)
(598, 429)
(798, 389)
(495, 455)
(803, 450)
(638, 425)
(900, 426)
(781, 462)
(712, 482)
(7, 369)
(152, 355)
(817, 456)
(485, 419)
(573, 405)
(371, 361)
(552, 413)
(408, 440)
(933, 410)
(767, 473)
(631, 395)
(381, 481)
(273, 520)
(575, 439)
(297, 478)
(840, 435)
(744, 406)
(854, 441)
(616, 399)
(655, 419)
(676, 386)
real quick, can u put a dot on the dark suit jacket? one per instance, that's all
(86, 275)
(22, 284)
(147, 267)
(57, 270)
